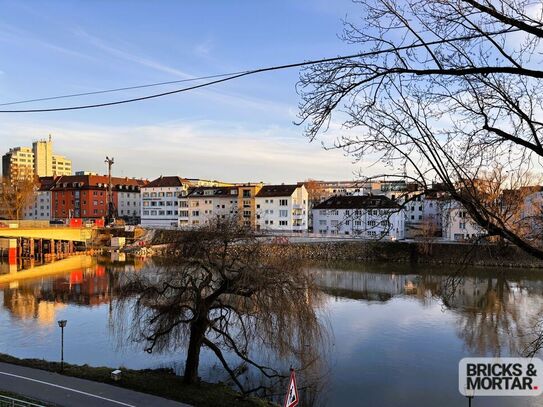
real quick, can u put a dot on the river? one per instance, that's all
(396, 333)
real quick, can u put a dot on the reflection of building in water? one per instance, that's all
(26, 304)
(41, 299)
(369, 286)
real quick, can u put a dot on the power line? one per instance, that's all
(235, 75)
(149, 85)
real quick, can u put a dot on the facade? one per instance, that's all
(40, 207)
(38, 161)
(18, 163)
(203, 204)
(247, 203)
(367, 216)
(282, 208)
(160, 201)
(61, 165)
(43, 158)
(85, 196)
(457, 224)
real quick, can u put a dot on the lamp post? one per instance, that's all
(62, 323)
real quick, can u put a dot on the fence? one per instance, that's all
(11, 402)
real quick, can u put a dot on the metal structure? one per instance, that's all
(111, 211)
(13, 402)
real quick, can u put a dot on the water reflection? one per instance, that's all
(395, 340)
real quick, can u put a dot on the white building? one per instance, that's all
(457, 223)
(282, 208)
(160, 201)
(129, 200)
(202, 204)
(368, 216)
(40, 207)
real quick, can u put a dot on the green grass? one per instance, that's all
(160, 382)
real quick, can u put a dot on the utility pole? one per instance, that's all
(110, 204)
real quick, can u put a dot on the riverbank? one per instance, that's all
(413, 252)
(158, 382)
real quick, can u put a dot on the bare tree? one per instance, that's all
(15, 195)
(443, 91)
(225, 292)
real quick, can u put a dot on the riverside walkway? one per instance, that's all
(65, 391)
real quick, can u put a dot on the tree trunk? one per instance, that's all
(197, 332)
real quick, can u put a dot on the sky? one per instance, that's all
(242, 130)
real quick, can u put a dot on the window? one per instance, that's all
(322, 222)
(144, 212)
(283, 202)
(283, 222)
(283, 213)
(195, 213)
(246, 193)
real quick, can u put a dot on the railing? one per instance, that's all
(6, 401)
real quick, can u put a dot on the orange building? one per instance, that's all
(85, 196)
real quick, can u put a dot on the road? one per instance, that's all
(73, 392)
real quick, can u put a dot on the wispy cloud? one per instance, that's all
(201, 149)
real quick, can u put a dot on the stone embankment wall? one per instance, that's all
(492, 255)
(403, 252)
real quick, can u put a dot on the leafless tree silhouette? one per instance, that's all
(448, 92)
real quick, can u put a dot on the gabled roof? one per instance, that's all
(168, 181)
(357, 202)
(276, 190)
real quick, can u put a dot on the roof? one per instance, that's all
(213, 191)
(357, 202)
(90, 181)
(276, 190)
(168, 181)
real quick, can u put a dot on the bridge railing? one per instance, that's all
(6, 401)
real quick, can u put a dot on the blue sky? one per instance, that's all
(239, 131)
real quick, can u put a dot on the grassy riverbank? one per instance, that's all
(163, 383)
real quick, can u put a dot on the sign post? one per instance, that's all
(292, 398)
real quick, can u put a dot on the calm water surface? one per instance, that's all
(396, 333)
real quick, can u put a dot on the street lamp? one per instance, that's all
(62, 323)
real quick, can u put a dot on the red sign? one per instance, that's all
(292, 399)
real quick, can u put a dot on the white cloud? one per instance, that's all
(200, 149)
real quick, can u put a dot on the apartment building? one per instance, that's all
(282, 208)
(18, 163)
(203, 204)
(247, 203)
(38, 161)
(40, 206)
(61, 165)
(86, 196)
(457, 224)
(367, 216)
(160, 201)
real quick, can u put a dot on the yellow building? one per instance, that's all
(38, 161)
(18, 163)
(61, 165)
(247, 203)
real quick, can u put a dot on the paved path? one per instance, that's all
(73, 392)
